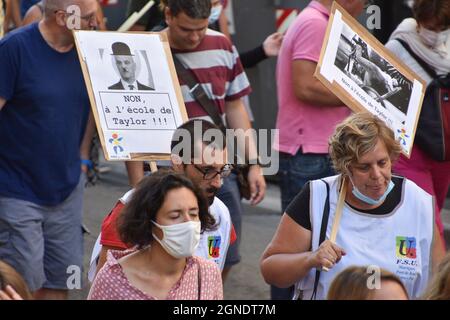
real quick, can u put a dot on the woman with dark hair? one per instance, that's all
(427, 35)
(163, 222)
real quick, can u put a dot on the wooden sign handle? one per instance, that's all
(338, 214)
(153, 167)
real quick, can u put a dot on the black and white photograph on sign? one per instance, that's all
(373, 74)
(366, 76)
(136, 111)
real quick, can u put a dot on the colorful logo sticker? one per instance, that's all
(214, 246)
(403, 136)
(115, 141)
(406, 247)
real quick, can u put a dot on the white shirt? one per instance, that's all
(399, 241)
(127, 85)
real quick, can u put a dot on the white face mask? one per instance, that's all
(180, 240)
(435, 40)
(215, 14)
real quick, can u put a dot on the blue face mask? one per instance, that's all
(215, 14)
(358, 194)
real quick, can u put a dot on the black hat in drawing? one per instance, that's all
(120, 49)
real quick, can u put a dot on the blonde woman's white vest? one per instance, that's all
(399, 241)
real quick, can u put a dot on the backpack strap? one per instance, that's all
(323, 230)
(197, 91)
(419, 60)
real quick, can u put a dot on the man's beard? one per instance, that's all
(211, 194)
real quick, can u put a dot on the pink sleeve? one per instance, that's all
(309, 38)
(219, 286)
(99, 289)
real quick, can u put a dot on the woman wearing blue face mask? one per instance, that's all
(163, 222)
(428, 36)
(386, 221)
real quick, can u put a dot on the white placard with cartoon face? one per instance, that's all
(134, 91)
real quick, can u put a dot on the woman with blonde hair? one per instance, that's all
(367, 283)
(12, 285)
(384, 220)
(439, 288)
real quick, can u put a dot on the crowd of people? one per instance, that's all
(351, 203)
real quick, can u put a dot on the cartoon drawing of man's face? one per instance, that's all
(126, 64)
(127, 67)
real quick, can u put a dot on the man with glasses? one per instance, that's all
(44, 111)
(205, 163)
(218, 84)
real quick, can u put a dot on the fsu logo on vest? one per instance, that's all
(406, 247)
(214, 246)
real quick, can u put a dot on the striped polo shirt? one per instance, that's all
(216, 65)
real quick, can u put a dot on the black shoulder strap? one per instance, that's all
(419, 60)
(323, 230)
(198, 93)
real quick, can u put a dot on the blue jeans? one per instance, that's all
(295, 172)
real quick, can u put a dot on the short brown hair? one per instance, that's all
(135, 222)
(432, 10)
(439, 288)
(351, 284)
(357, 135)
(9, 276)
(195, 9)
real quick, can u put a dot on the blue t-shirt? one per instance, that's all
(43, 121)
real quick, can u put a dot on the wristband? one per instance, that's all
(88, 163)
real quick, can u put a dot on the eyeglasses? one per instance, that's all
(88, 18)
(209, 174)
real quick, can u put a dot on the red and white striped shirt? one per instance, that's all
(216, 65)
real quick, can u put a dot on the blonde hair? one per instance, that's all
(439, 288)
(9, 276)
(357, 135)
(351, 284)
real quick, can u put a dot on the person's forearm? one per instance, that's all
(437, 250)
(135, 170)
(85, 147)
(15, 13)
(308, 88)
(283, 270)
(252, 57)
(237, 118)
(223, 25)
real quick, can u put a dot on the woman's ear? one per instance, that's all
(157, 232)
